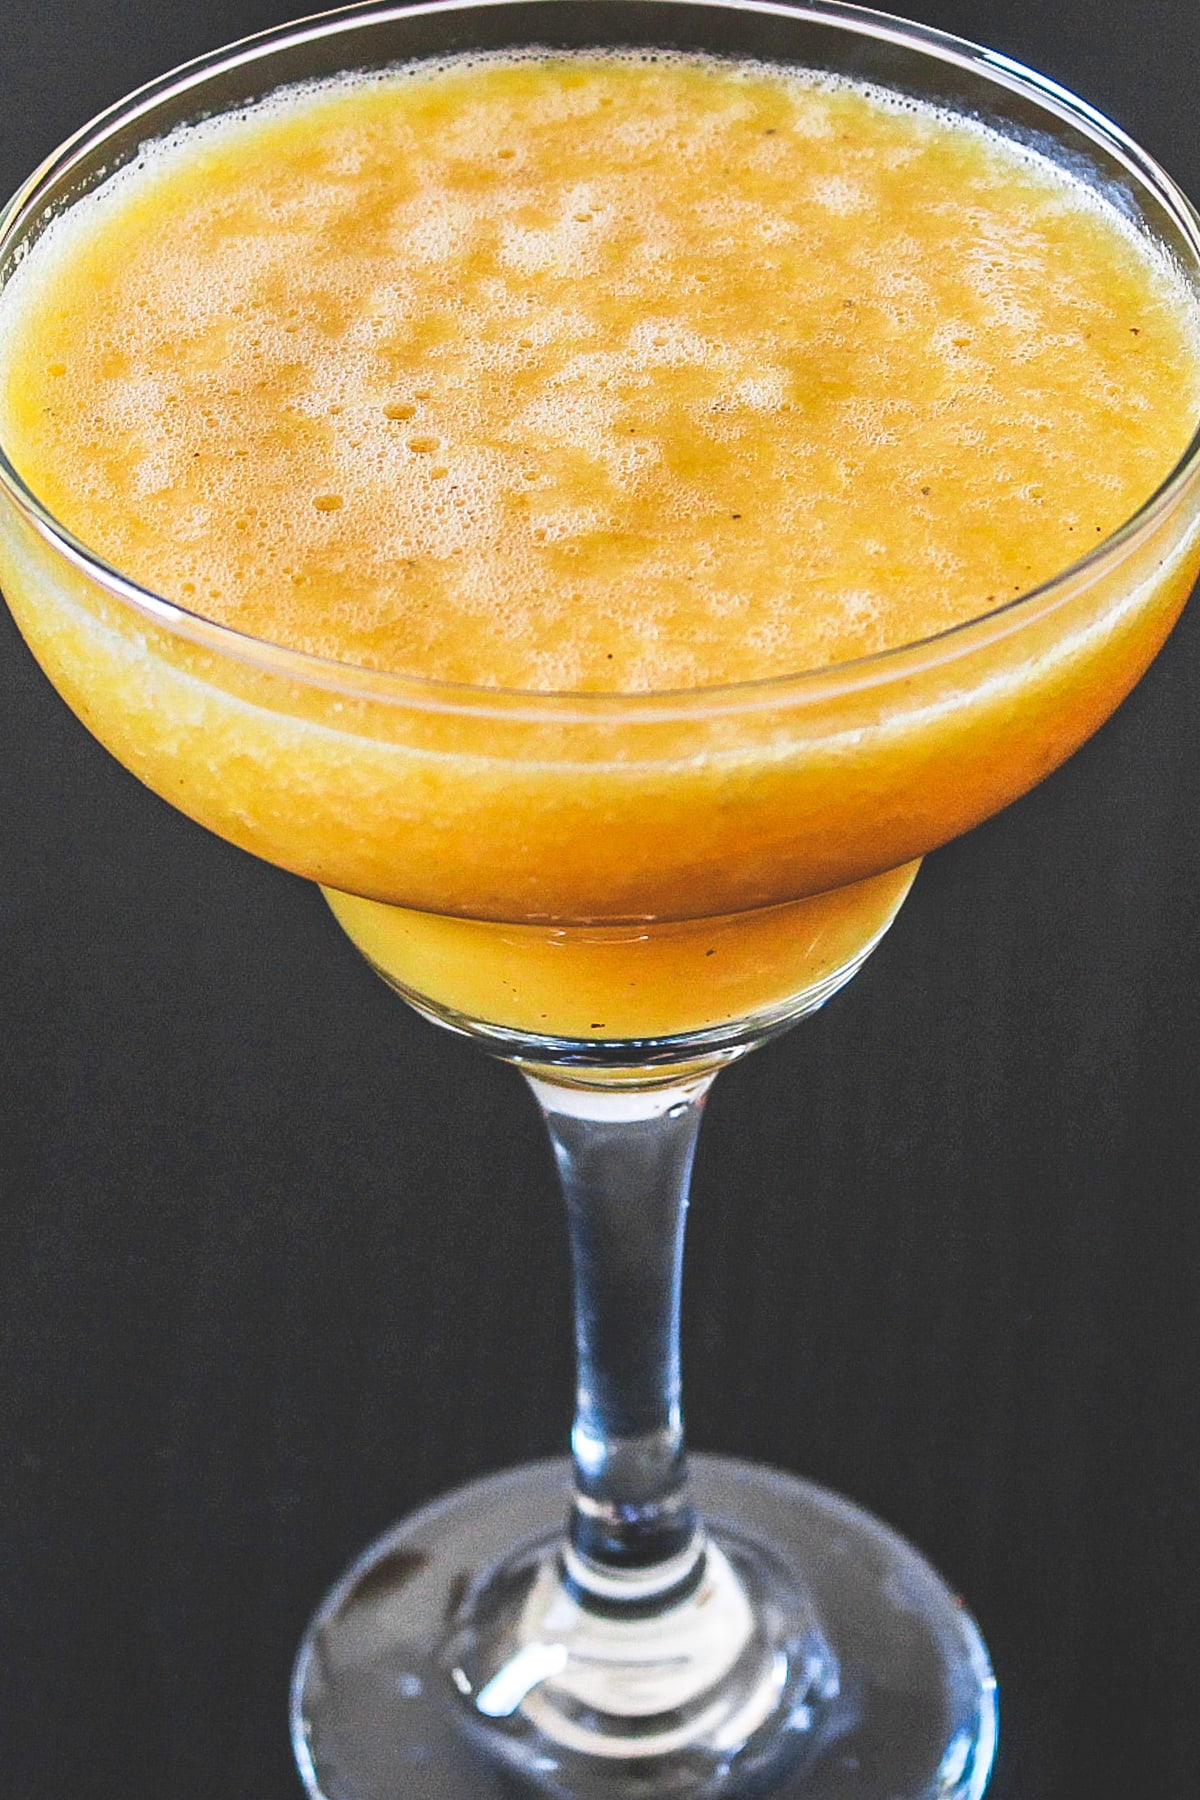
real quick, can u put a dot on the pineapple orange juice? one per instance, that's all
(593, 427)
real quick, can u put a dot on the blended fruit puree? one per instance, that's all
(598, 374)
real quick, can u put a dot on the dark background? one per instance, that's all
(277, 1260)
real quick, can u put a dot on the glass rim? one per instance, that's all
(430, 693)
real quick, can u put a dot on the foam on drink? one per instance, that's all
(600, 373)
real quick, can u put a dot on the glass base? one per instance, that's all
(867, 1681)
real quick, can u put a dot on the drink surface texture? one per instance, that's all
(616, 381)
(595, 375)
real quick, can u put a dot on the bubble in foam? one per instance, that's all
(766, 392)
(838, 194)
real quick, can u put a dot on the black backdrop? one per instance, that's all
(277, 1260)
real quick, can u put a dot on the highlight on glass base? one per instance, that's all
(603, 487)
(835, 1662)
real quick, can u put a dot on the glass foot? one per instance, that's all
(451, 1660)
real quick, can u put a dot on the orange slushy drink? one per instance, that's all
(607, 425)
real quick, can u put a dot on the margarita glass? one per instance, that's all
(513, 863)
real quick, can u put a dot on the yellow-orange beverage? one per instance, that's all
(608, 426)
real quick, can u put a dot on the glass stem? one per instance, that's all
(625, 1161)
